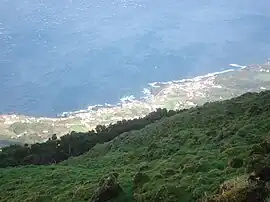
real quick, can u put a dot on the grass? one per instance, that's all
(183, 158)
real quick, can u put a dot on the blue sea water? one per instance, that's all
(65, 55)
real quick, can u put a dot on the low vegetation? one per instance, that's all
(74, 144)
(202, 154)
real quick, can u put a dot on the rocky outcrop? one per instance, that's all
(241, 190)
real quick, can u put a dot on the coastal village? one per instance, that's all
(171, 95)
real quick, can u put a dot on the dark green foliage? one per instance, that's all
(168, 172)
(74, 144)
(236, 162)
(140, 178)
(50, 183)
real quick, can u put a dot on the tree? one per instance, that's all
(54, 137)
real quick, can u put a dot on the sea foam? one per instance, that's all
(147, 94)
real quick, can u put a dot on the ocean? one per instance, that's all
(66, 55)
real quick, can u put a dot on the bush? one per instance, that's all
(140, 178)
(236, 162)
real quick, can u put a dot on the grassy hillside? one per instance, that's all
(188, 155)
(185, 157)
(50, 183)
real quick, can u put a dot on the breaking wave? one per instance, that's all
(147, 92)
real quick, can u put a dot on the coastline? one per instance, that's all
(153, 90)
(176, 94)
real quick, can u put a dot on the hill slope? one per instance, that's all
(181, 158)
(50, 183)
(188, 153)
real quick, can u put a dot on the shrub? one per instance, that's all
(236, 162)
